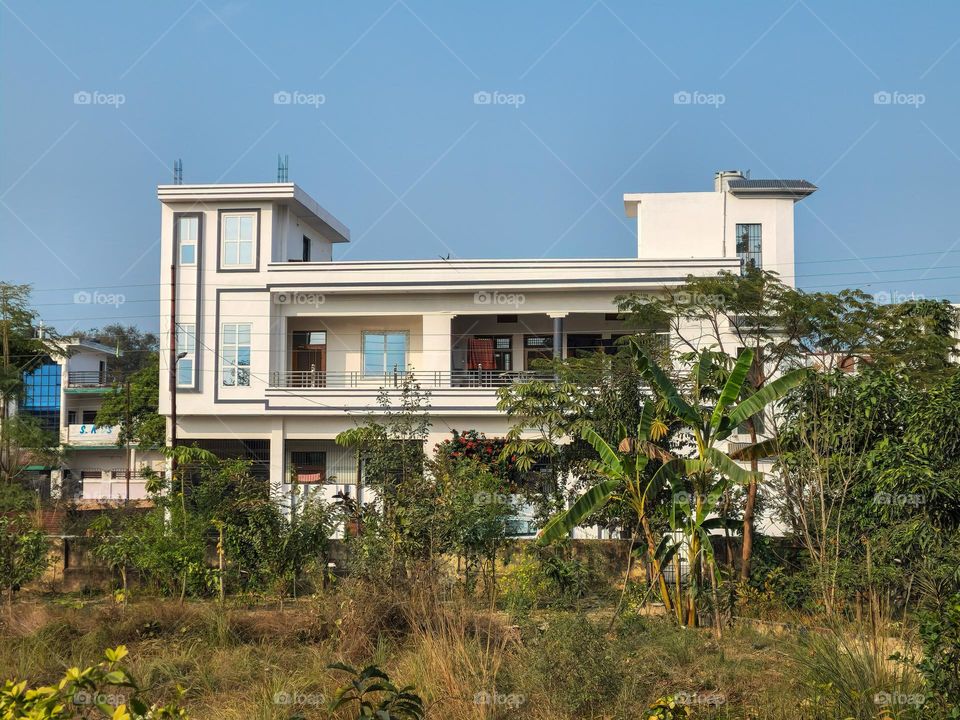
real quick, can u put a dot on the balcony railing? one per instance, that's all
(319, 379)
(89, 379)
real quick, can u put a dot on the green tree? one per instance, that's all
(22, 349)
(137, 349)
(133, 407)
(24, 552)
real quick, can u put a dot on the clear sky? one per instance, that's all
(382, 128)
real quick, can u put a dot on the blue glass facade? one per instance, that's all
(42, 394)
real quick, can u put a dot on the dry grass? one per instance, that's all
(558, 665)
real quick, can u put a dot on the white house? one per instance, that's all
(282, 347)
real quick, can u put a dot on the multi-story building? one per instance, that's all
(64, 393)
(281, 347)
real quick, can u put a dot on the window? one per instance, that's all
(186, 343)
(306, 249)
(384, 352)
(71, 417)
(237, 241)
(42, 394)
(89, 417)
(748, 246)
(311, 466)
(188, 228)
(235, 358)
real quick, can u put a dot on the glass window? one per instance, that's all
(749, 245)
(237, 242)
(384, 352)
(186, 343)
(187, 232)
(235, 355)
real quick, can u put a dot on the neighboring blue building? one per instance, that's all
(42, 394)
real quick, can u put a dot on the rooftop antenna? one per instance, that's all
(178, 172)
(283, 168)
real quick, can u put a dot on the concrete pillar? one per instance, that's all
(435, 356)
(559, 336)
(277, 458)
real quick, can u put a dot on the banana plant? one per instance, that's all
(710, 415)
(625, 479)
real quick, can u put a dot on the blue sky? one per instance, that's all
(385, 132)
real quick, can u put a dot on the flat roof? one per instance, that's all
(289, 194)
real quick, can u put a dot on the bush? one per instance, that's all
(522, 585)
(107, 686)
(23, 553)
(575, 665)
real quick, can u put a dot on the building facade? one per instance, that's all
(280, 347)
(65, 393)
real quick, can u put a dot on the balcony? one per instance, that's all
(319, 379)
(89, 380)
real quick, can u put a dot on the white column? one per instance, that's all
(277, 457)
(435, 356)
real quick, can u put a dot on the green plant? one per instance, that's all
(23, 553)
(940, 665)
(848, 675)
(522, 584)
(372, 694)
(667, 708)
(575, 665)
(81, 692)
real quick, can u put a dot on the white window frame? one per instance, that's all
(187, 342)
(232, 372)
(229, 259)
(184, 242)
(385, 370)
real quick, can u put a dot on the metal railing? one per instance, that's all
(89, 379)
(319, 379)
